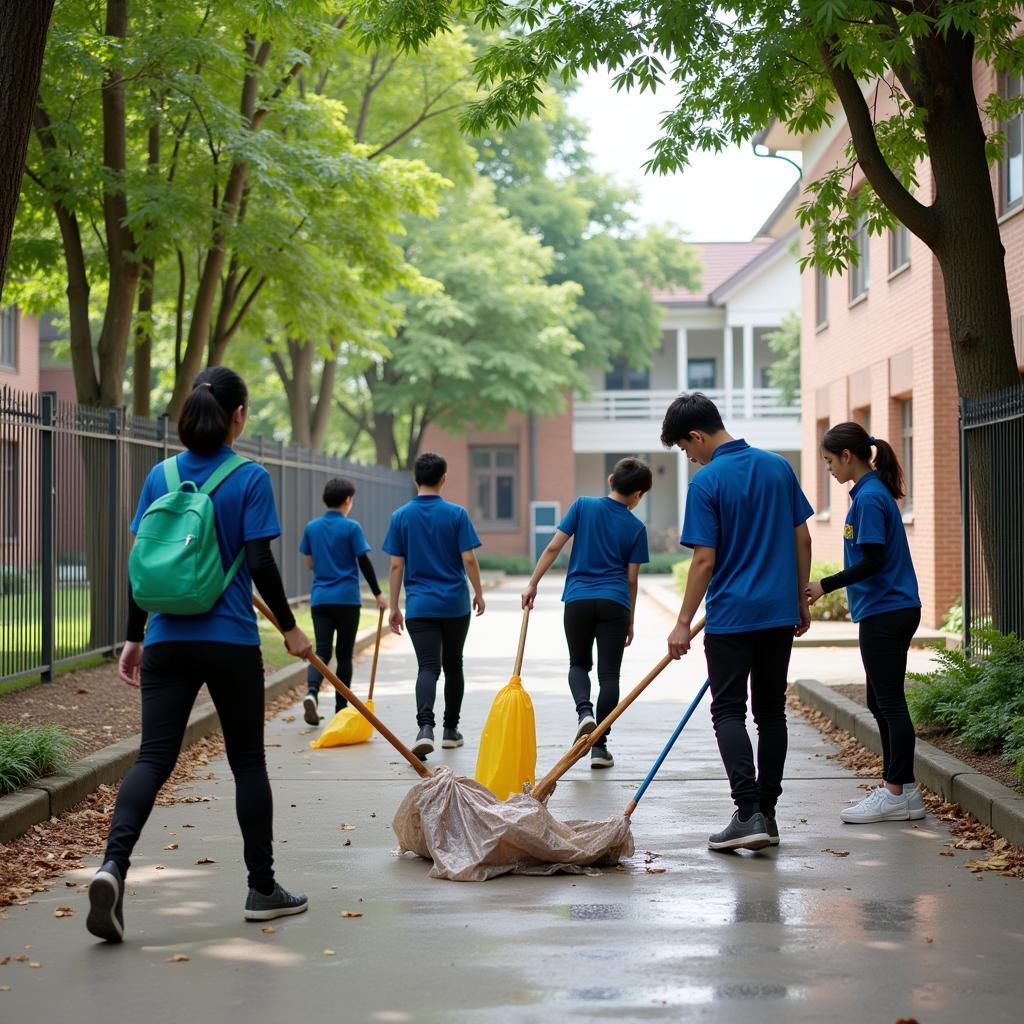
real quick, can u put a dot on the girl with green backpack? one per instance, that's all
(203, 529)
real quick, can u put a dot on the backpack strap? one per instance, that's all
(222, 472)
(171, 475)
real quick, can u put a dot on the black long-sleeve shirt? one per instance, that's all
(871, 563)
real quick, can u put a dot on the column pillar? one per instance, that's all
(748, 370)
(682, 482)
(682, 359)
(727, 371)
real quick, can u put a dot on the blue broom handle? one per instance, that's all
(668, 746)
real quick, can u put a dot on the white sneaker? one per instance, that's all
(878, 805)
(915, 802)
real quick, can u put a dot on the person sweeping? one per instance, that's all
(881, 588)
(336, 551)
(609, 546)
(203, 528)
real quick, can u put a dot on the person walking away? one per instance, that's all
(336, 551)
(609, 546)
(745, 519)
(881, 589)
(432, 542)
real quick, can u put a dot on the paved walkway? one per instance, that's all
(889, 930)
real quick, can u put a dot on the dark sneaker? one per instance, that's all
(106, 900)
(751, 834)
(773, 829)
(278, 904)
(451, 738)
(587, 724)
(309, 709)
(599, 756)
(424, 742)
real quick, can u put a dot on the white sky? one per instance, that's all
(722, 197)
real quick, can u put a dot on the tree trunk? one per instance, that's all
(383, 434)
(23, 28)
(322, 410)
(142, 363)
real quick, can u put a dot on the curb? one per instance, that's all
(957, 782)
(52, 795)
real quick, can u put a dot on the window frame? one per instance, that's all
(860, 272)
(820, 299)
(824, 501)
(629, 377)
(1006, 205)
(906, 424)
(9, 332)
(899, 245)
(701, 360)
(492, 473)
(10, 488)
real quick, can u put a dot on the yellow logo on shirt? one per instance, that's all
(848, 531)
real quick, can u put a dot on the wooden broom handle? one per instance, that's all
(376, 654)
(421, 768)
(522, 643)
(543, 788)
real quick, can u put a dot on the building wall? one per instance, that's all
(26, 376)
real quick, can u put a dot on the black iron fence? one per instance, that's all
(992, 493)
(70, 477)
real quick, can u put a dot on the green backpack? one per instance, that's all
(175, 564)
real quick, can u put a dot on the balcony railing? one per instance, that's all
(759, 403)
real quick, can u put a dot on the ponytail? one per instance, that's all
(206, 415)
(852, 437)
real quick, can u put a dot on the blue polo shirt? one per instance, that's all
(746, 503)
(244, 510)
(431, 534)
(875, 518)
(607, 537)
(335, 543)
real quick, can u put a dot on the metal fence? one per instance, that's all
(70, 477)
(992, 493)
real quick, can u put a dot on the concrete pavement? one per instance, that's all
(838, 924)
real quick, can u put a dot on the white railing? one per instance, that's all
(605, 406)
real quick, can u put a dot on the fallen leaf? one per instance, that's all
(289, 718)
(22, 959)
(836, 853)
(269, 930)
(928, 939)
(171, 846)
(271, 744)
(81, 689)
(946, 853)
(5, 988)
(348, 842)
(6, 960)
(655, 871)
(35, 965)
(908, 1020)
(205, 860)
(330, 952)
(351, 913)
(803, 821)
(158, 867)
(346, 827)
(178, 958)
(63, 912)
(71, 885)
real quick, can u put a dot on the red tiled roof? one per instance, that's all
(720, 261)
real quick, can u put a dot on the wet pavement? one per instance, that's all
(840, 923)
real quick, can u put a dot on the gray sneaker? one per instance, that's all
(451, 738)
(280, 903)
(915, 802)
(773, 829)
(751, 834)
(424, 742)
(586, 725)
(309, 709)
(106, 902)
(600, 757)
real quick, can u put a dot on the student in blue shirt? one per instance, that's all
(178, 653)
(336, 551)
(609, 546)
(431, 543)
(745, 519)
(881, 588)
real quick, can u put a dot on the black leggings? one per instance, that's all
(329, 619)
(438, 644)
(172, 674)
(762, 656)
(607, 622)
(884, 642)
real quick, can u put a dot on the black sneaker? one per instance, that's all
(773, 829)
(451, 738)
(278, 904)
(424, 742)
(106, 900)
(309, 709)
(751, 834)
(587, 724)
(599, 756)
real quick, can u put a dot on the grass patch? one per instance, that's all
(274, 654)
(28, 752)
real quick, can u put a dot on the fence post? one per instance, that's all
(48, 560)
(965, 529)
(114, 420)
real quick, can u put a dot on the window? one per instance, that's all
(899, 248)
(700, 374)
(907, 451)
(824, 477)
(1011, 170)
(863, 417)
(494, 486)
(859, 272)
(9, 485)
(623, 377)
(9, 338)
(820, 297)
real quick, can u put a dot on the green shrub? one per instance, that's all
(954, 620)
(829, 607)
(664, 562)
(516, 565)
(980, 700)
(680, 571)
(30, 751)
(12, 581)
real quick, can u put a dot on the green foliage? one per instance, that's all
(829, 607)
(954, 620)
(28, 752)
(681, 572)
(514, 565)
(981, 700)
(12, 581)
(665, 562)
(784, 373)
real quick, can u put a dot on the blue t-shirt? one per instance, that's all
(874, 518)
(746, 503)
(606, 538)
(431, 534)
(335, 543)
(244, 510)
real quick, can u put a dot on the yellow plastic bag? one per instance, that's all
(347, 727)
(508, 744)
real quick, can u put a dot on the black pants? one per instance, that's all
(761, 655)
(438, 644)
(884, 642)
(328, 620)
(172, 674)
(607, 622)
